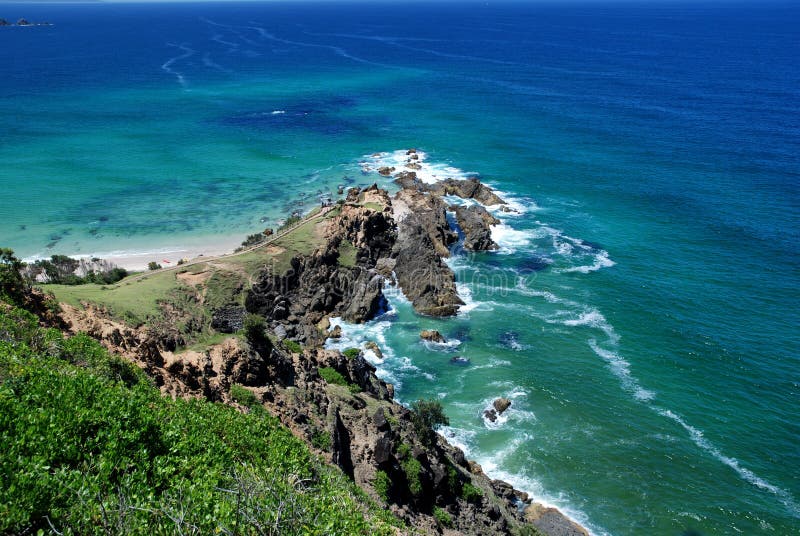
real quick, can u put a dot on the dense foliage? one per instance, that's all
(91, 447)
(63, 270)
(426, 416)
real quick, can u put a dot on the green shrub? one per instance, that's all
(426, 415)
(86, 453)
(351, 353)
(412, 468)
(292, 346)
(253, 240)
(12, 284)
(153, 265)
(321, 439)
(471, 493)
(442, 517)
(244, 396)
(382, 484)
(333, 376)
(254, 328)
(403, 451)
(290, 221)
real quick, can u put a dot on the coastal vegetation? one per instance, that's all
(91, 447)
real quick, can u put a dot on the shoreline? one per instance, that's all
(554, 517)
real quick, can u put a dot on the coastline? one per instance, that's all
(547, 516)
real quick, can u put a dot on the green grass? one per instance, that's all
(382, 484)
(347, 254)
(225, 288)
(243, 396)
(132, 300)
(442, 517)
(377, 207)
(91, 447)
(334, 377)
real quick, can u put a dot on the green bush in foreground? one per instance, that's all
(91, 447)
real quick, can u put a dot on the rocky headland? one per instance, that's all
(333, 399)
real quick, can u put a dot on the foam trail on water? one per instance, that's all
(746, 474)
(167, 66)
(208, 62)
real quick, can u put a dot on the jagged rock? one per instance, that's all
(228, 319)
(408, 180)
(4, 22)
(383, 450)
(340, 444)
(279, 331)
(422, 275)
(411, 151)
(336, 333)
(475, 222)
(386, 171)
(467, 189)
(431, 335)
(372, 345)
(475, 468)
(379, 419)
(501, 404)
(490, 414)
(552, 522)
(23, 22)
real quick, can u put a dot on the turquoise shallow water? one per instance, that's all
(642, 313)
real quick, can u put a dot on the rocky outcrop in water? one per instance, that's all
(431, 335)
(475, 222)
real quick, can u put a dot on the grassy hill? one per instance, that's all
(91, 447)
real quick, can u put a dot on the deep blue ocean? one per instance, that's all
(642, 312)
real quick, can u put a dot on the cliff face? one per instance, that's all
(333, 401)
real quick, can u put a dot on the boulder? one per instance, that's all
(467, 189)
(501, 404)
(551, 521)
(386, 171)
(431, 335)
(228, 319)
(475, 222)
(372, 345)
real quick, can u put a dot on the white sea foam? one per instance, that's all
(167, 65)
(429, 173)
(277, 112)
(510, 239)
(601, 260)
(699, 439)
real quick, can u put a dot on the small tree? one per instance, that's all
(426, 416)
(254, 328)
(12, 284)
(153, 265)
